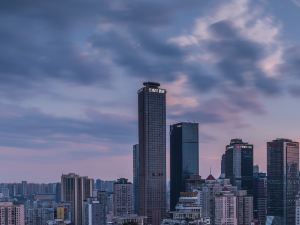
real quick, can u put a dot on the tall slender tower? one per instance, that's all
(184, 157)
(152, 152)
(283, 180)
(75, 190)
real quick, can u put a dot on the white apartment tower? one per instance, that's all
(225, 208)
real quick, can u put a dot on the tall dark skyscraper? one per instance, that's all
(136, 177)
(283, 179)
(184, 157)
(239, 164)
(152, 152)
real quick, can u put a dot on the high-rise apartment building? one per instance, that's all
(244, 208)
(11, 214)
(75, 190)
(239, 164)
(152, 152)
(136, 177)
(184, 157)
(283, 180)
(123, 197)
(225, 208)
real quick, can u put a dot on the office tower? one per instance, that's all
(239, 165)
(244, 208)
(123, 197)
(298, 209)
(11, 214)
(152, 152)
(260, 197)
(94, 212)
(75, 190)
(225, 208)
(184, 157)
(136, 177)
(283, 179)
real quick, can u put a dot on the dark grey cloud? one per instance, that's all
(291, 62)
(239, 59)
(43, 40)
(95, 42)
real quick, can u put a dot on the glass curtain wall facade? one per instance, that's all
(283, 179)
(184, 157)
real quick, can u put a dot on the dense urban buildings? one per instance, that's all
(76, 190)
(184, 158)
(123, 197)
(283, 180)
(12, 214)
(38, 212)
(239, 164)
(152, 152)
(209, 190)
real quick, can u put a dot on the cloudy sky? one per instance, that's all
(70, 71)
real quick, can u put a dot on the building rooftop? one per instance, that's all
(210, 177)
(151, 84)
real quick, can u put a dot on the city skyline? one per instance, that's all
(68, 80)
